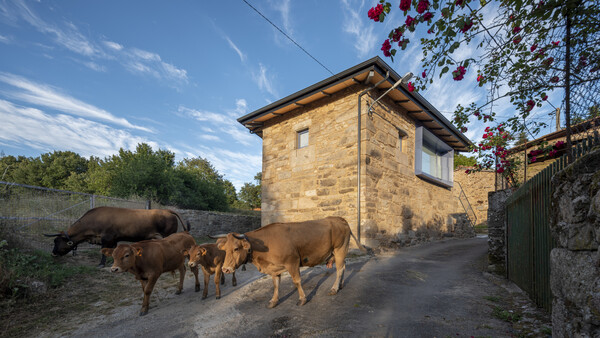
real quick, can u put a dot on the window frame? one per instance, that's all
(299, 135)
(444, 154)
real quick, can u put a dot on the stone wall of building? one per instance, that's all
(575, 262)
(497, 230)
(205, 223)
(321, 179)
(476, 186)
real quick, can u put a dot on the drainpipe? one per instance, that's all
(387, 75)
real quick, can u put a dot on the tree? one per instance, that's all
(59, 166)
(200, 186)
(522, 139)
(461, 160)
(527, 51)
(250, 193)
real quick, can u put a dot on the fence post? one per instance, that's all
(148, 206)
(92, 201)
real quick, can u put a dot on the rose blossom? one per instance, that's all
(422, 6)
(405, 5)
(385, 47)
(374, 12)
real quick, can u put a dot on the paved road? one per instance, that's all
(432, 290)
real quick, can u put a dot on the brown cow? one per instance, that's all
(280, 247)
(109, 225)
(210, 258)
(147, 260)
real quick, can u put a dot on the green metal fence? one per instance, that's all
(528, 238)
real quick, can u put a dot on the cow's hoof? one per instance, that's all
(178, 292)
(333, 292)
(197, 288)
(234, 283)
(272, 304)
(204, 296)
(301, 302)
(100, 266)
(143, 313)
(218, 297)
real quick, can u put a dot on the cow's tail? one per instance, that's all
(360, 246)
(189, 226)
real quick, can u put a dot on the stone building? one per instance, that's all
(311, 142)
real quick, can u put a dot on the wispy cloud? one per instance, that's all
(46, 96)
(39, 130)
(67, 35)
(225, 123)
(283, 7)
(5, 39)
(355, 25)
(236, 49)
(264, 81)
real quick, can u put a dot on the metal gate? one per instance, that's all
(528, 238)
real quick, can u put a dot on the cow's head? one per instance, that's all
(237, 251)
(195, 253)
(124, 256)
(63, 244)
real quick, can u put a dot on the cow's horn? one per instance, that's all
(54, 235)
(242, 236)
(217, 236)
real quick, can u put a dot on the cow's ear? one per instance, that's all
(107, 252)
(186, 252)
(221, 246)
(246, 244)
(203, 251)
(138, 251)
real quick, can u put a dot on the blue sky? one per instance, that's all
(95, 76)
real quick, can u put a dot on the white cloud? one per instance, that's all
(263, 81)
(113, 45)
(46, 96)
(5, 39)
(236, 49)
(283, 7)
(357, 27)
(46, 132)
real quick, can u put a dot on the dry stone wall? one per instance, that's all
(205, 223)
(575, 262)
(497, 230)
(476, 186)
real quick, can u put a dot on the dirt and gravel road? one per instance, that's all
(432, 290)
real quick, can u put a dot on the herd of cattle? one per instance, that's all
(156, 247)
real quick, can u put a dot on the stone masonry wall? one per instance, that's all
(575, 262)
(476, 186)
(497, 230)
(320, 180)
(205, 223)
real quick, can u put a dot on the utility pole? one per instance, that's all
(524, 158)
(557, 119)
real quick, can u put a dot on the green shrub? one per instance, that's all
(19, 269)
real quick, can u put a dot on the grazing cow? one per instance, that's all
(147, 260)
(280, 247)
(108, 225)
(210, 258)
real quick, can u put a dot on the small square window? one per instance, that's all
(302, 138)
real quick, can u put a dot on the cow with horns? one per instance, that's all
(280, 247)
(107, 226)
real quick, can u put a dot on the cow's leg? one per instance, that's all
(206, 279)
(218, 278)
(195, 272)
(181, 278)
(295, 274)
(233, 280)
(340, 266)
(275, 299)
(148, 287)
(222, 277)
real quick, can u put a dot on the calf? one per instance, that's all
(211, 259)
(147, 260)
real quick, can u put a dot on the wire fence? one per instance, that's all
(28, 212)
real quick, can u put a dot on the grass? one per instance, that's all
(492, 299)
(506, 315)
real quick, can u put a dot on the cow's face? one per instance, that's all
(236, 252)
(62, 245)
(124, 256)
(195, 253)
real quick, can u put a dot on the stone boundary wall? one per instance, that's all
(476, 186)
(497, 230)
(575, 262)
(205, 223)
